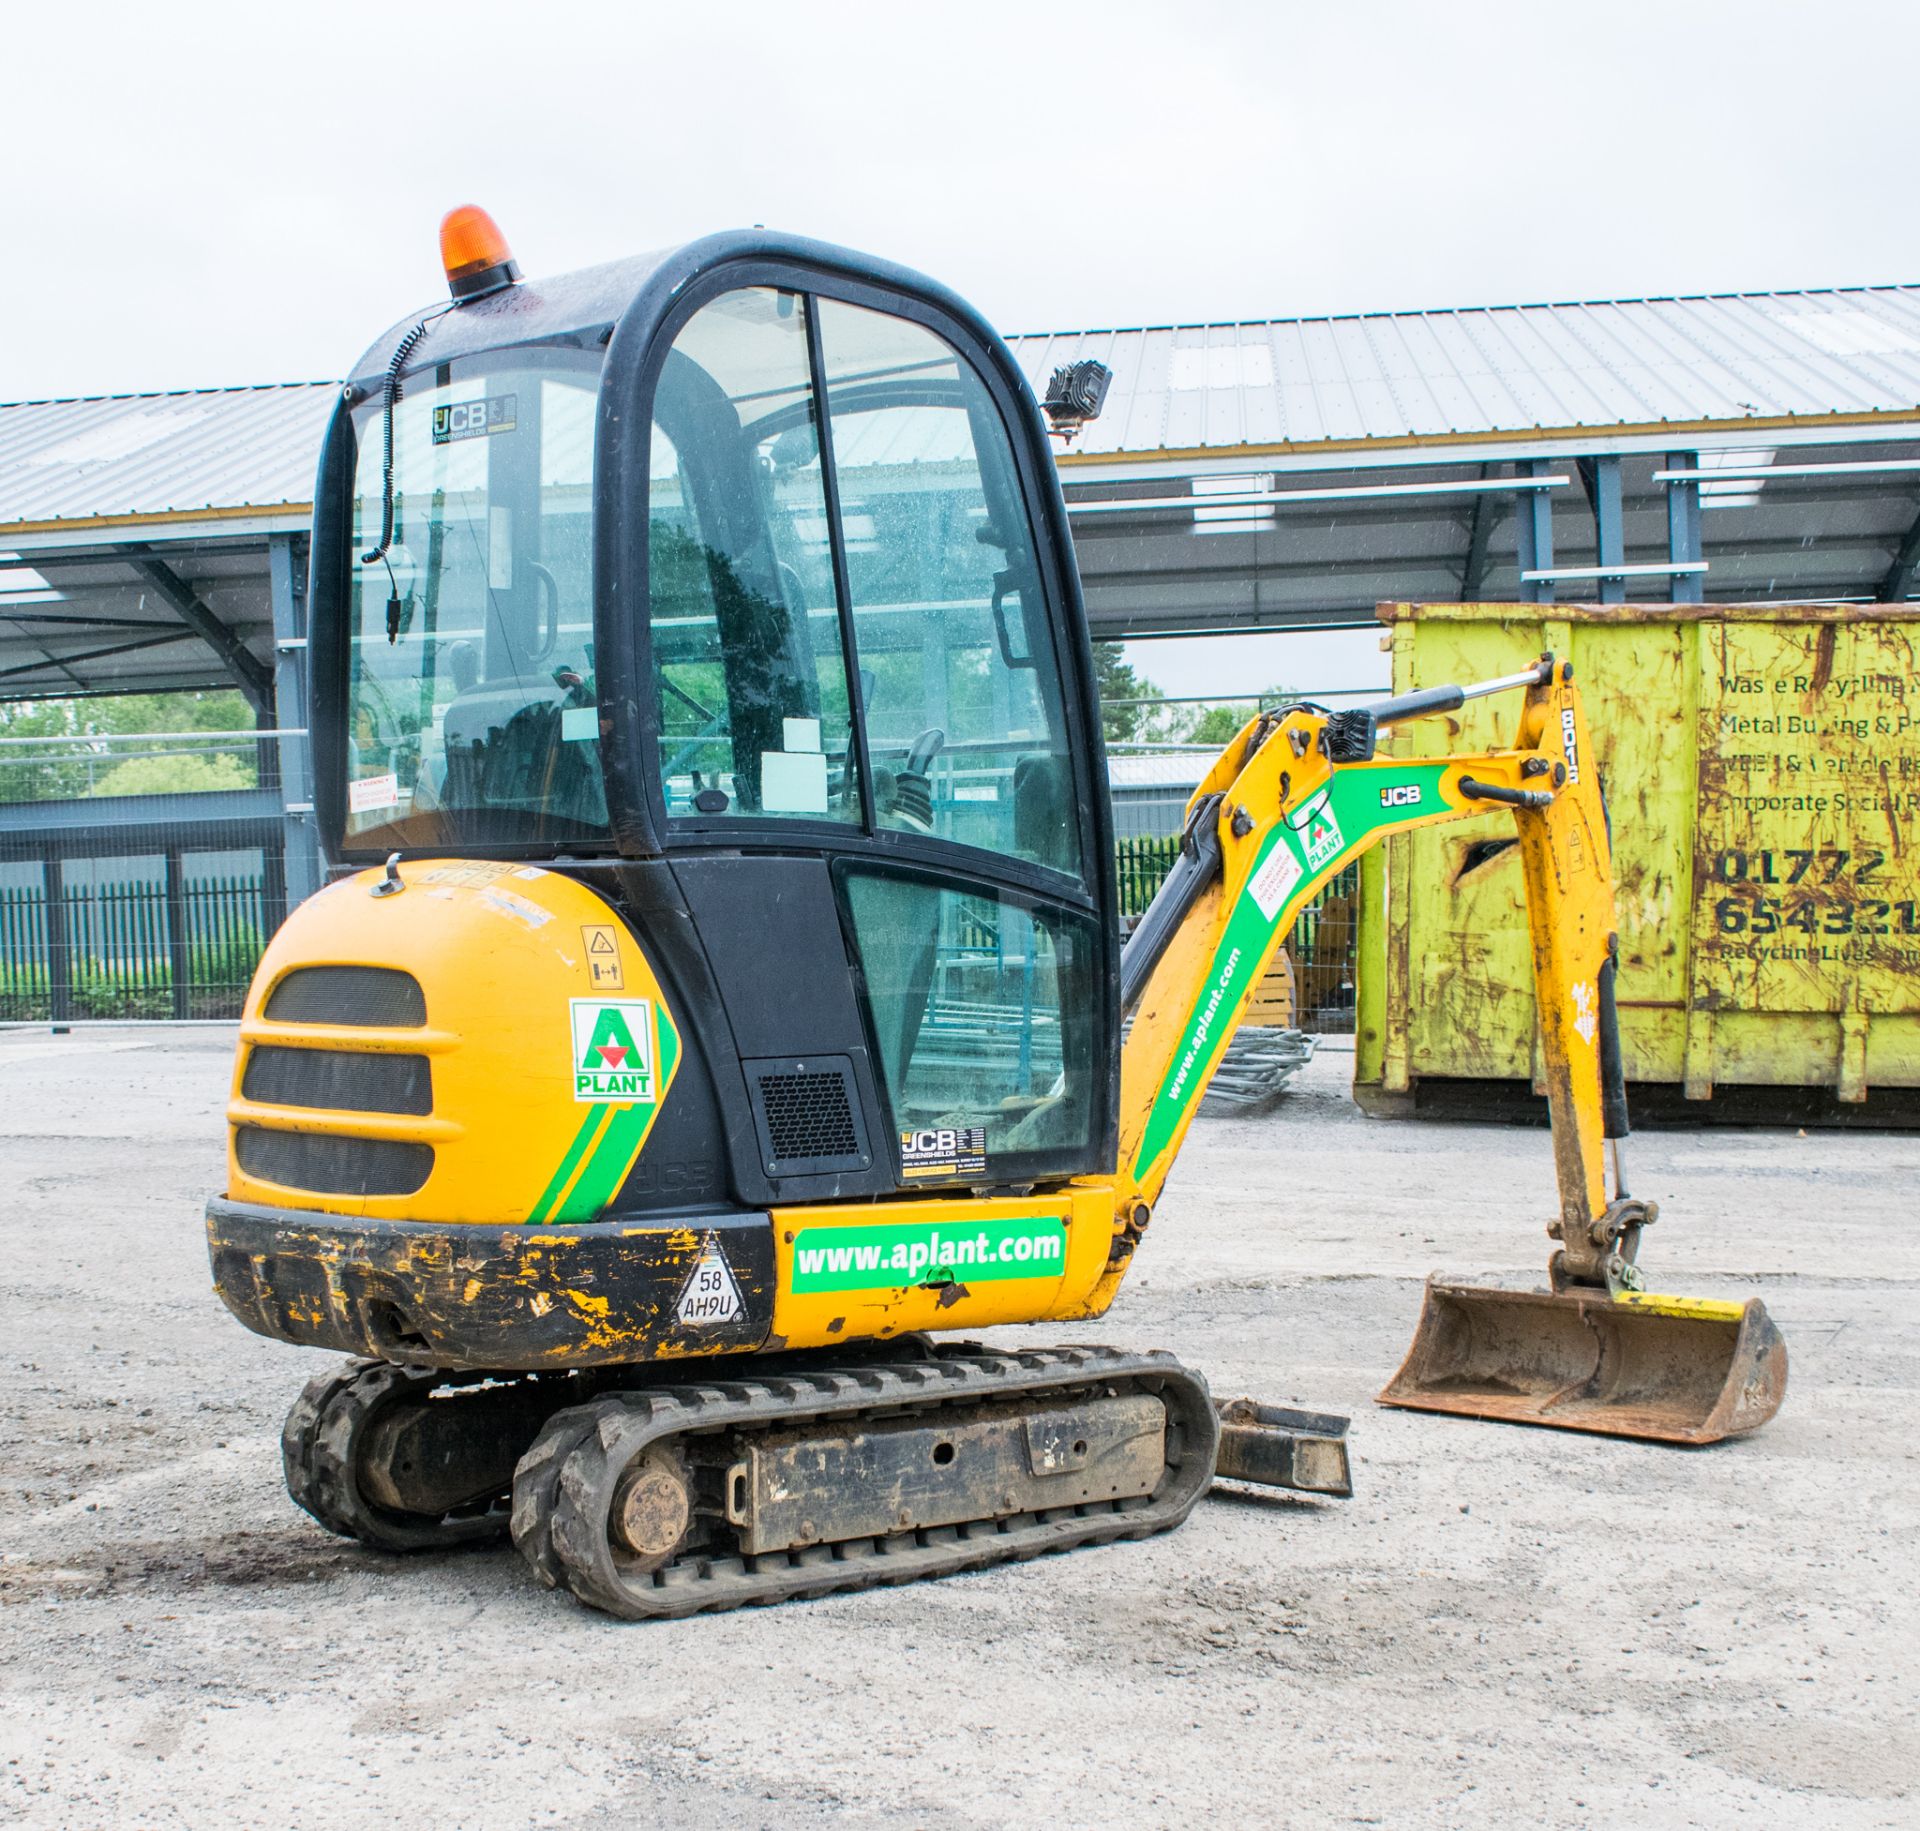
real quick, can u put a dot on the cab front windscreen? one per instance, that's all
(473, 711)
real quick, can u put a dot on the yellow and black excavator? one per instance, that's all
(719, 995)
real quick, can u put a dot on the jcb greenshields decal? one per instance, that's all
(622, 1053)
(1315, 839)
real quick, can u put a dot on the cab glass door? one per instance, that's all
(854, 652)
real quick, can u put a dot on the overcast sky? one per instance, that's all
(207, 194)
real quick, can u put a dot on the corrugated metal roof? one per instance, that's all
(1498, 370)
(129, 456)
(1276, 383)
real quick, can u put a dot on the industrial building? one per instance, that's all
(1260, 476)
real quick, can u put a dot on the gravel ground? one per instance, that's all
(1504, 1627)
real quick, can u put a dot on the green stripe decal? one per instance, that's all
(619, 1145)
(1297, 857)
(551, 1193)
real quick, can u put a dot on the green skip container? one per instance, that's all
(1761, 764)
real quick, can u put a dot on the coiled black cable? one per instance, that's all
(391, 399)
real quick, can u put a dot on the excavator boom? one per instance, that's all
(1296, 797)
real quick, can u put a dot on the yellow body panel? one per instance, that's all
(502, 954)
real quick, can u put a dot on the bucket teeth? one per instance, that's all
(1664, 1369)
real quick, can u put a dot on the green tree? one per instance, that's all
(1117, 680)
(181, 775)
(1217, 723)
(68, 770)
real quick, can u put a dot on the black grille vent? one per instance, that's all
(339, 1080)
(367, 997)
(333, 1166)
(808, 1115)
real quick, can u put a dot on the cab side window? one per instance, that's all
(749, 666)
(964, 719)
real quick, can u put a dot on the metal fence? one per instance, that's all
(172, 949)
(177, 947)
(1323, 945)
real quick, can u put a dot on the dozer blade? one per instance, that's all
(1669, 1369)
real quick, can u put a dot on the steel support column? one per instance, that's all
(1602, 478)
(59, 949)
(179, 937)
(1683, 530)
(286, 574)
(1533, 525)
(1486, 511)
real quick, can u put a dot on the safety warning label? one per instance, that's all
(603, 955)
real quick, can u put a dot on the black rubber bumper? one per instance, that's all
(501, 1298)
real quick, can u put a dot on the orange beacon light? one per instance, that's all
(475, 254)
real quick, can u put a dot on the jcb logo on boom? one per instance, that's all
(1401, 794)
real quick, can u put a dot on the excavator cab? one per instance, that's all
(737, 582)
(718, 995)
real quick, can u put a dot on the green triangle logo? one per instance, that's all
(610, 1046)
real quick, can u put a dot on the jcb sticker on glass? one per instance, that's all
(612, 1049)
(474, 419)
(945, 1150)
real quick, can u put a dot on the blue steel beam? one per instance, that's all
(1683, 527)
(1601, 478)
(1533, 526)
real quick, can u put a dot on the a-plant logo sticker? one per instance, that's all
(1319, 831)
(612, 1049)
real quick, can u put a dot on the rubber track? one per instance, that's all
(563, 1492)
(319, 1446)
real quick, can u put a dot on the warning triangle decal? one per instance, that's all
(711, 1296)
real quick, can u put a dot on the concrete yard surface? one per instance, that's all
(1504, 1627)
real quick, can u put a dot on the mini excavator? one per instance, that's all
(718, 995)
